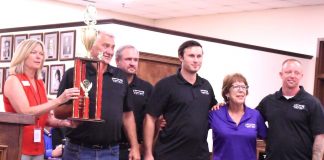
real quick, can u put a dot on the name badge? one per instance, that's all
(37, 135)
(25, 83)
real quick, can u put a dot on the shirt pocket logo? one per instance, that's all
(117, 80)
(250, 125)
(138, 92)
(205, 92)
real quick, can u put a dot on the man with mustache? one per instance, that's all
(127, 58)
(100, 140)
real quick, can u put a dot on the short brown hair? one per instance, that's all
(228, 82)
(187, 44)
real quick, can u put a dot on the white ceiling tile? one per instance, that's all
(161, 9)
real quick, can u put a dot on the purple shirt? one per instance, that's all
(231, 141)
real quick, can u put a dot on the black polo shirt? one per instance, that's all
(185, 108)
(293, 123)
(139, 91)
(114, 103)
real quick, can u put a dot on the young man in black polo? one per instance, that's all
(139, 91)
(295, 118)
(100, 140)
(184, 100)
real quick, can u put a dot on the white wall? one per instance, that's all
(19, 13)
(290, 29)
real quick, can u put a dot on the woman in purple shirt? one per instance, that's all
(235, 126)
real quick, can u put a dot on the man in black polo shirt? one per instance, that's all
(184, 100)
(100, 140)
(295, 118)
(139, 91)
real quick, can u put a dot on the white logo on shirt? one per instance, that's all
(299, 106)
(138, 92)
(117, 80)
(204, 92)
(249, 125)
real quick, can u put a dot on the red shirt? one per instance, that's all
(29, 147)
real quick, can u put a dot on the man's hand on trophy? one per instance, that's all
(68, 94)
(71, 123)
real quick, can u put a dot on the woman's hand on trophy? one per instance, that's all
(69, 94)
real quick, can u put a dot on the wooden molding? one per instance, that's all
(159, 58)
(3, 152)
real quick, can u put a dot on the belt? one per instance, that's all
(92, 146)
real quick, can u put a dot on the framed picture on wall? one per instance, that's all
(51, 49)
(38, 36)
(6, 73)
(45, 76)
(56, 73)
(67, 45)
(18, 39)
(6, 48)
(1, 79)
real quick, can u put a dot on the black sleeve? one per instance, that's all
(317, 118)
(261, 108)
(67, 82)
(159, 99)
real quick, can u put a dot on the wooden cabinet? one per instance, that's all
(11, 127)
(319, 73)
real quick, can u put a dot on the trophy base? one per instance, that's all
(86, 120)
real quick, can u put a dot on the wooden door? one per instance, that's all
(154, 67)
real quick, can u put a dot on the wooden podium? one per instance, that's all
(11, 129)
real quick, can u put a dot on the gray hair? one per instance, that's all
(121, 49)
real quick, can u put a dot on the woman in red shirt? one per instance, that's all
(24, 92)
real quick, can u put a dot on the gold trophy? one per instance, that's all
(81, 108)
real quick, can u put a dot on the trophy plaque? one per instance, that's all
(81, 106)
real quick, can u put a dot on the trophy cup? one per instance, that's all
(81, 108)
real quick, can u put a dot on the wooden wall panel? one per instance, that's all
(153, 67)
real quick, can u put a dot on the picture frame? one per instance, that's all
(56, 74)
(37, 36)
(6, 73)
(19, 38)
(67, 45)
(2, 72)
(45, 76)
(6, 48)
(51, 48)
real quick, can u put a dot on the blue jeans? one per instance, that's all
(76, 152)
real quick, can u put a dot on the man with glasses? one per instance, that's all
(184, 99)
(295, 118)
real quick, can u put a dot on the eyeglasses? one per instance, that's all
(243, 87)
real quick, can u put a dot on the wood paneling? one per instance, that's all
(154, 67)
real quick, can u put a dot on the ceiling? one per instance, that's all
(164, 9)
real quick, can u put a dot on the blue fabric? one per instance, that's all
(231, 141)
(76, 152)
(48, 146)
